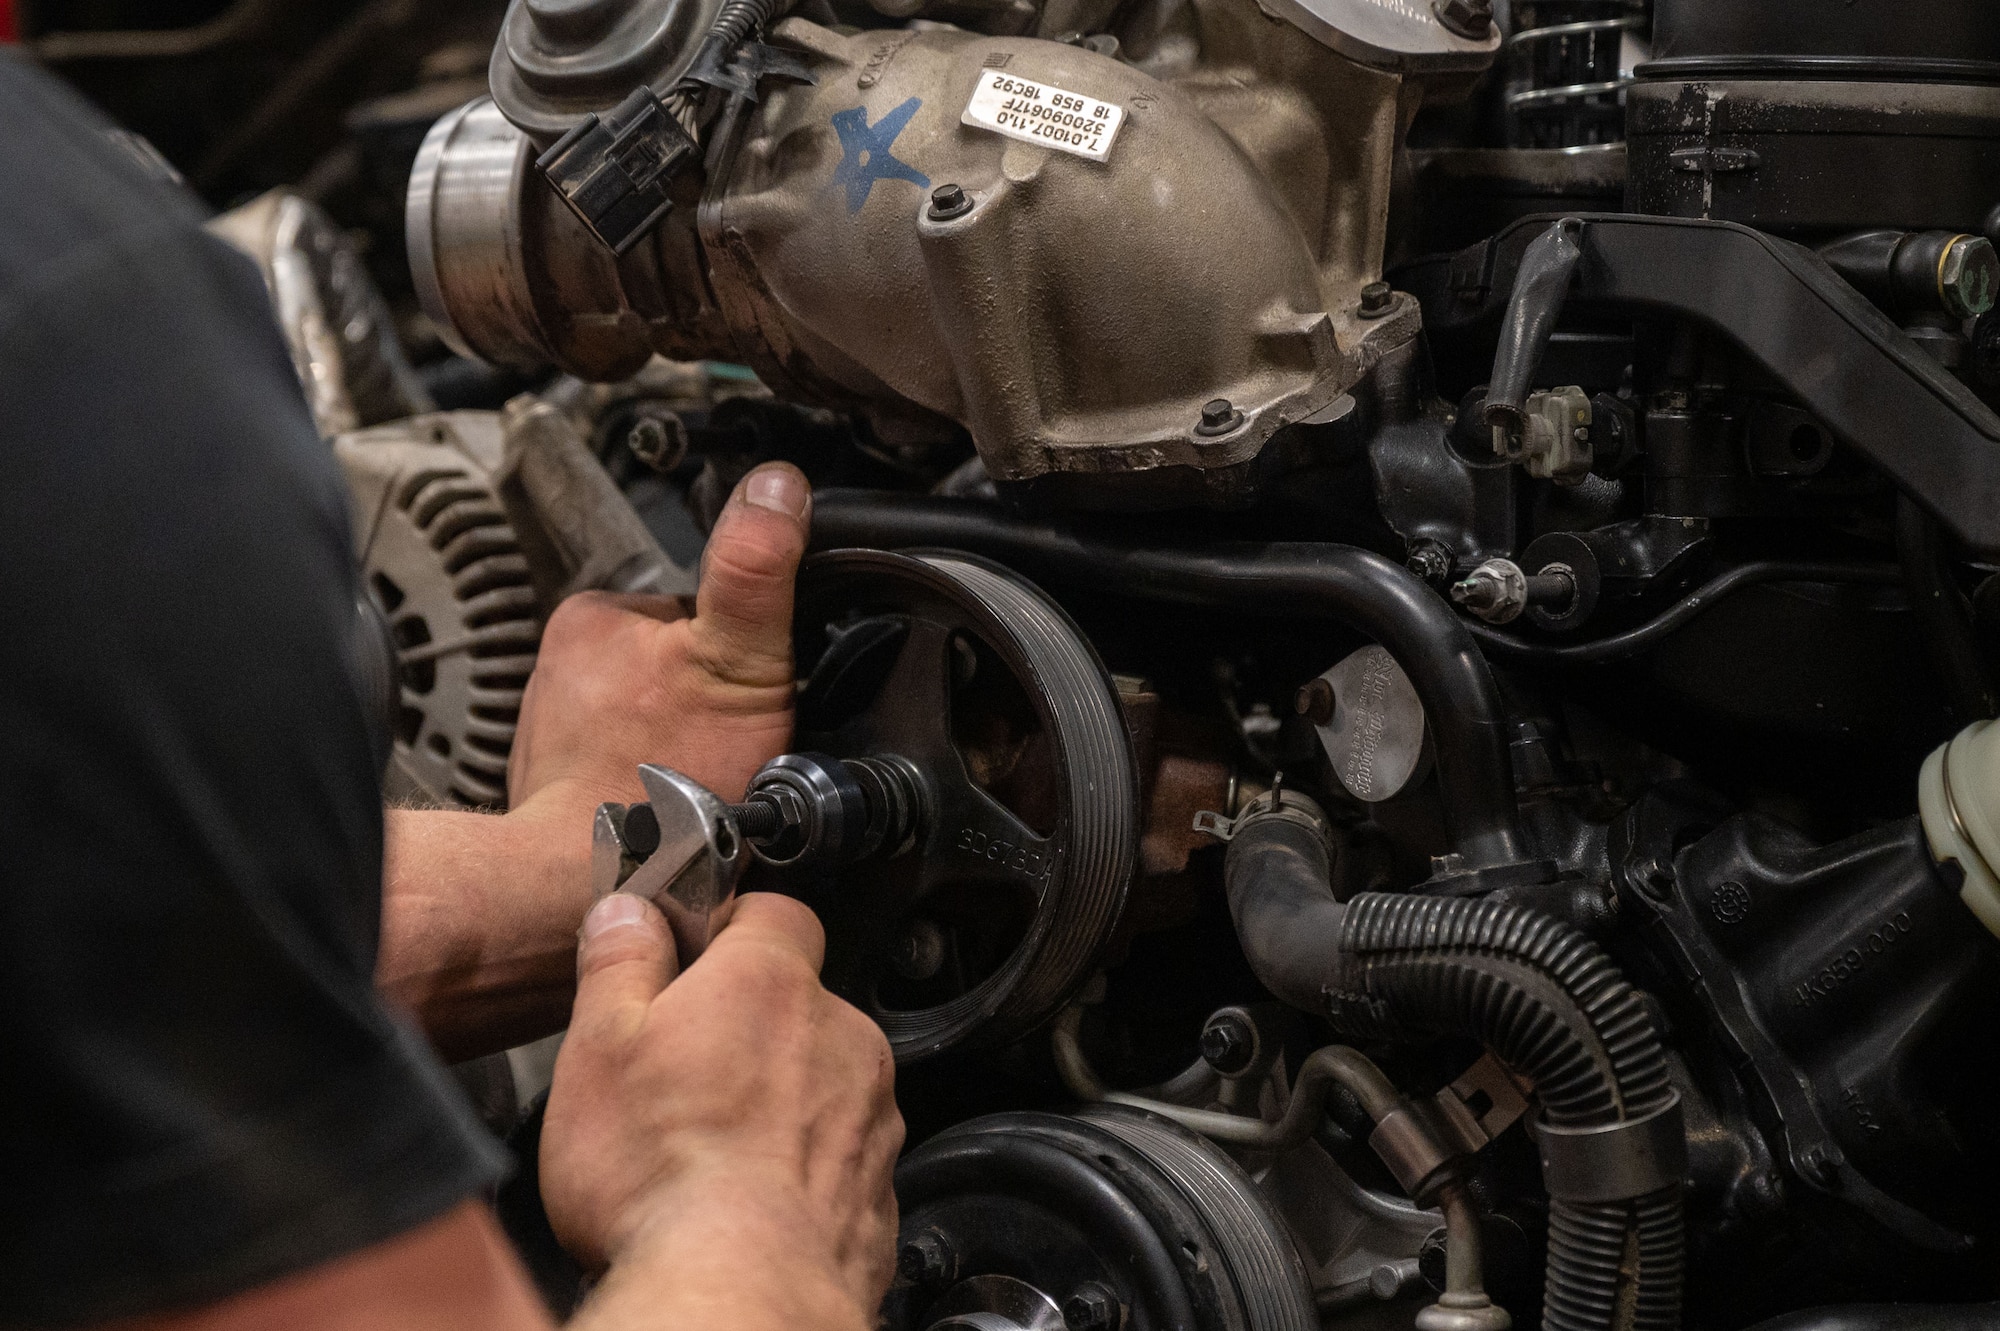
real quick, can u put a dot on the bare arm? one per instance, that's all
(454, 1274)
(480, 911)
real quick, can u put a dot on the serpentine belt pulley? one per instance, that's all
(1110, 1218)
(963, 684)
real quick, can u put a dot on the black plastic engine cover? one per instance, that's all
(1853, 993)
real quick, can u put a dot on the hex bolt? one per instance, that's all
(1092, 1307)
(1377, 299)
(926, 1258)
(1315, 701)
(1218, 416)
(1654, 878)
(949, 201)
(1228, 1043)
(1470, 19)
(1969, 277)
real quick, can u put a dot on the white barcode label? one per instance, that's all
(1039, 113)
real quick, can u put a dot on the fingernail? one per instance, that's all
(780, 488)
(620, 910)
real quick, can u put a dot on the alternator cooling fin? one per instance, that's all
(444, 565)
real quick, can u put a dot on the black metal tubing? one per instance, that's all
(1872, 387)
(1633, 641)
(1369, 593)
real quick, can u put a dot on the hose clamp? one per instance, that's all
(1616, 1162)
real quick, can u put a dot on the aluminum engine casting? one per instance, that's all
(1162, 313)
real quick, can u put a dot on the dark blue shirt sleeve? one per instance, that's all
(202, 1091)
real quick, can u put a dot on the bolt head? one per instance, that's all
(1315, 702)
(949, 201)
(1430, 561)
(1228, 1043)
(926, 1258)
(1969, 277)
(1218, 416)
(1092, 1307)
(1470, 19)
(1377, 299)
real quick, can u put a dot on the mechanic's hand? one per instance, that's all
(624, 680)
(737, 1124)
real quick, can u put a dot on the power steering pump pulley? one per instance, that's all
(962, 810)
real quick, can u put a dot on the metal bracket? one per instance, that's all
(1484, 1102)
(1615, 1162)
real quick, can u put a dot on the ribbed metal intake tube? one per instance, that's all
(1543, 998)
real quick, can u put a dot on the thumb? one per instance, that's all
(625, 957)
(743, 609)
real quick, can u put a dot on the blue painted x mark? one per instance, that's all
(864, 151)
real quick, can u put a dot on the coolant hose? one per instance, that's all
(1356, 587)
(1546, 1001)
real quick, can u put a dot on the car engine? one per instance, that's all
(1395, 700)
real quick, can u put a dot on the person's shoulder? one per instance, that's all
(72, 184)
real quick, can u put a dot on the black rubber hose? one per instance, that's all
(1890, 1317)
(1944, 618)
(1633, 641)
(1541, 996)
(1363, 590)
(1283, 912)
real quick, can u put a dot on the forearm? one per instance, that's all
(722, 1263)
(479, 920)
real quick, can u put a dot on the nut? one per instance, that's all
(1377, 299)
(658, 440)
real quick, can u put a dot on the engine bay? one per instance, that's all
(1393, 705)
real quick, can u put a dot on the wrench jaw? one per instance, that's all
(692, 872)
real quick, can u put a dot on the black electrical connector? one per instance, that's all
(614, 170)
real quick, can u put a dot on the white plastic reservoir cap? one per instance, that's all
(1958, 794)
